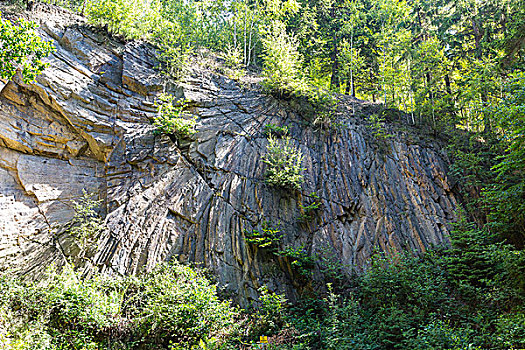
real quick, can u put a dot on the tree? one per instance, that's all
(22, 50)
(282, 62)
(506, 196)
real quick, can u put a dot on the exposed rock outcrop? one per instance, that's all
(85, 125)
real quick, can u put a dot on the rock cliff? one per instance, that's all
(85, 124)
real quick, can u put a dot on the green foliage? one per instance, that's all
(485, 270)
(275, 130)
(86, 223)
(331, 266)
(131, 19)
(171, 118)
(409, 302)
(342, 328)
(270, 312)
(162, 23)
(511, 329)
(284, 164)
(22, 49)
(232, 58)
(377, 127)
(177, 305)
(324, 104)
(269, 237)
(505, 196)
(441, 335)
(281, 61)
(308, 210)
(402, 302)
(402, 53)
(174, 306)
(299, 258)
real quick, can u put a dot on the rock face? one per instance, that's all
(86, 125)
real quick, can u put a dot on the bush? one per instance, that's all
(271, 312)
(276, 130)
(173, 306)
(377, 127)
(87, 223)
(22, 49)
(268, 237)
(284, 164)
(172, 119)
(299, 259)
(282, 61)
(511, 329)
(174, 51)
(131, 19)
(176, 304)
(308, 211)
(441, 335)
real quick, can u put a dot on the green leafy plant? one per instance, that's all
(177, 304)
(275, 130)
(22, 49)
(505, 195)
(377, 127)
(267, 237)
(233, 57)
(233, 62)
(331, 266)
(131, 19)
(299, 259)
(284, 164)
(171, 118)
(175, 52)
(172, 307)
(87, 223)
(282, 61)
(271, 311)
(308, 210)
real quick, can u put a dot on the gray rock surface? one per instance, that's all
(86, 125)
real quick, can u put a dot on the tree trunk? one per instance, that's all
(352, 87)
(477, 37)
(334, 80)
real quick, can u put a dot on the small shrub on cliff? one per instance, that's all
(171, 119)
(276, 130)
(308, 210)
(299, 258)
(284, 164)
(87, 223)
(377, 127)
(268, 237)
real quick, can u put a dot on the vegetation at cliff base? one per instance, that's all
(466, 297)
(173, 307)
